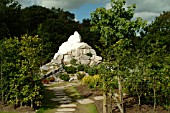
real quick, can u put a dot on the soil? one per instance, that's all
(10, 108)
(130, 103)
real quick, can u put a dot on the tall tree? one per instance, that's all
(10, 19)
(117, 30)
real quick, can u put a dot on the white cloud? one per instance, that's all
(147, 9)
(64, 4)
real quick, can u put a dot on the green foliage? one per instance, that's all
(20, 68)
(64, 77)
(92, 70)
(80, 67)
(73, 61)
(80, 76)
(92, 81)
(70, 69)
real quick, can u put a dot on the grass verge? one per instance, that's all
(87, 108)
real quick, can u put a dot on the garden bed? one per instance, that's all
(130, 103)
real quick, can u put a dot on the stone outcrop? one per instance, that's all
(77, 50)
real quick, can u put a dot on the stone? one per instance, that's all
(97, 58)
(92, 51)
(68, 105)
(85, 51)
(67, 59)
(84, 57)
(92, 63)
(76, 52)
(84, 46)
(85, 62)
(66, 109)
(98, 98)
(65, 101)
(85, 101)
(63, 112)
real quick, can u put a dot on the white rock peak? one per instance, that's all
(73, 42)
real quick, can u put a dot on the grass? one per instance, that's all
(87, 108)
(73, 93)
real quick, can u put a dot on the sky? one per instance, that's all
(146, 9)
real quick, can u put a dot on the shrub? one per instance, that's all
(64, 77)
(73, 61)
(92, 81)
(86, 68)
(92, 71)
(80, 67)
(80, 75)
(86, 80)
(70, 69)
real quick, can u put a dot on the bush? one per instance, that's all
(80, 75)
(73, 61)
(86, 68)
(87, 80)
(80, 67)
(92, 81)
(70, 69)
(64, 77)
(92, 71)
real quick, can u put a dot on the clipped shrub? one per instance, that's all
(80, 67)
(70, 69)
(92, 81)
(92, 71)
(80, 75)
(86, 79)
(64, 77)
(73, 61)
(96, 80)
(86, 68)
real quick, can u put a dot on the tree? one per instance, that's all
(20, 71)
(117, 30)
(10, 19)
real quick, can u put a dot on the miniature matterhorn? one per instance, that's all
(72, 43)
(73, 48)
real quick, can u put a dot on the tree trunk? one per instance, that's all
(31, 103)
(154, 95)
(139, 103)
(120, 92)
(104, 96)
(104, 102)
(2, 92)
(118, 104)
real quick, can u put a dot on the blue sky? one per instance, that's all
(146, 9)
(85, 10)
